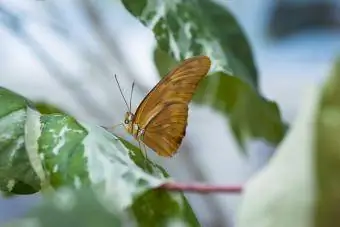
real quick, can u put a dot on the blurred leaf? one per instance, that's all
(195, 27)
(65, 152)
(328, 152)
(69, 208)
(15, 168)
(283, 193)
(250, 115)
(164, 62)
(45, 108)
(300, 186)
(159, 207)
(84, 208)
(21, 188)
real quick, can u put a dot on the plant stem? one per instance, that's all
(200, 188)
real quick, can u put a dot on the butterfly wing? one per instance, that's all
(164, 111)
(166, 130)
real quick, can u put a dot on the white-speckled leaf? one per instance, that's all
(78, 155)
(112, 170)
(61, 149)
(195, 27)
(16, 173)
(64, 152)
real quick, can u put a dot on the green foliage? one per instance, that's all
(16, 172)
(156, 208)
(69, 208)
(97, 179)
(47, 108)
(196, 27)
(250, 115)
(61, 148)
(52, 151)
(328, 152)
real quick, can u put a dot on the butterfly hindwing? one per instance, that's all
(164, 111)
(166, 130)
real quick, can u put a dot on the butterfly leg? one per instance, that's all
(145, 151)
(110, 129)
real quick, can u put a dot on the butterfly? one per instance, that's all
(160, 120)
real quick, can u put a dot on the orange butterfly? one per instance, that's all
(161, 119)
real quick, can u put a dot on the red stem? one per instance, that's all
(200, 188)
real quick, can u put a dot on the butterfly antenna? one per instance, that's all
(133, 85)
(121, 92)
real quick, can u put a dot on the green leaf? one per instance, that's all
(45, 108)
(80, 155)
(195, 27)
(84, 208)
(159, 207)
(15, 168)
(62, 150)
(148, 166)
(328, 152)
(229, 95)
(20, 188)
(70, 208)
(65, 152)
(250, 115)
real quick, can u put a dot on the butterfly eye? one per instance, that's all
(126, 121)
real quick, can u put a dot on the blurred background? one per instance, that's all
(66, 53)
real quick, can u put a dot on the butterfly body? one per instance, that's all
(160, 120)
(132, 127)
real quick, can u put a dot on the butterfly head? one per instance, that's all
(128, 121)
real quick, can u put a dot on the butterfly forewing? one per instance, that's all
(164, 111)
